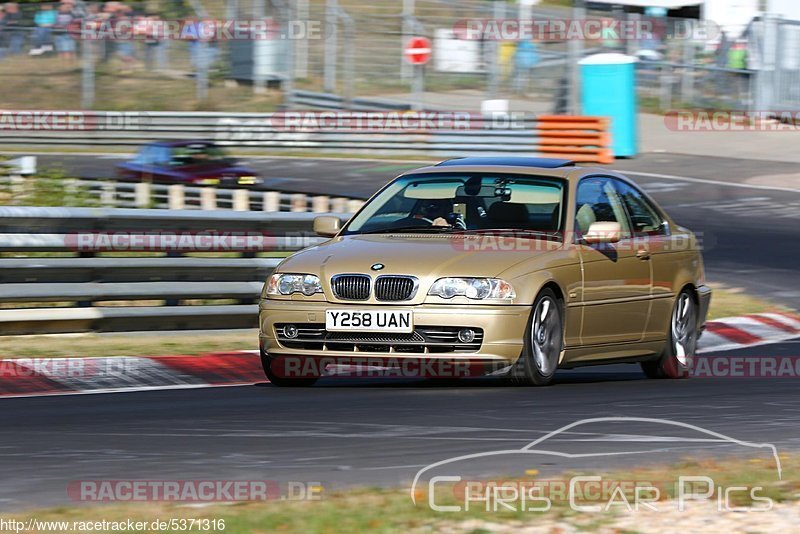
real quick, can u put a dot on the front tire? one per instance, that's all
(283, 381)
(544, 340)
(676, 360)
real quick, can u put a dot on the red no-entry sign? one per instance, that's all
(418, 51)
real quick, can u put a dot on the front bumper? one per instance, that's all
(503, 329)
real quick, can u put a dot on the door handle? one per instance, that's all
(643, 254)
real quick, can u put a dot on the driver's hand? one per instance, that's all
(456, 220)
(440, 221)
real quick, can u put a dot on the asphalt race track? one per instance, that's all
(371, 432)
(354, 432)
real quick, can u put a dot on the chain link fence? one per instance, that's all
(352, 49)
(362, 54)
(73, 55)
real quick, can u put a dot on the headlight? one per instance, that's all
(286, 284)
(472, 288)
(248, 180)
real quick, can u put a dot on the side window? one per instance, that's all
(644, 216)
(161, 155)
(597, 201)
(145, 156)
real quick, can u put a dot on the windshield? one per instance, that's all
(464, 203)
(199, 154)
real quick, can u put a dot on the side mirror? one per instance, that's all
(603, 232)
(327, 225)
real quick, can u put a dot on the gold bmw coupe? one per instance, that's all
(507, 266)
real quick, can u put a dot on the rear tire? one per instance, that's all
(677, 359)
(282, 381)
(543, 342)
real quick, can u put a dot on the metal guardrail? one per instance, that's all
(87, 269)
(110, 193)
(314, 99)
(122, 194)
(529, 135)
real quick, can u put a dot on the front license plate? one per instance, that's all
(369, 321)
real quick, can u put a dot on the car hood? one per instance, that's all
(422, 255)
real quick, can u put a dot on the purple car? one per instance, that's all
(186, 162)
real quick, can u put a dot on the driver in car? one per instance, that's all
(440, 213)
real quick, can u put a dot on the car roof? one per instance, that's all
(507, 161)
(182, 142)
(557, 168)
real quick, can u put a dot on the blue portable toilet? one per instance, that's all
(609, 90)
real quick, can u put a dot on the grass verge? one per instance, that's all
(153, 344)
(47, 82)
(391, 510)
(727, 301)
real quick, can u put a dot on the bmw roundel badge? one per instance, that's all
(377, 266)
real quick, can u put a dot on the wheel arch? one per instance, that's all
(692, 291)
(553, 285)
(559, 293)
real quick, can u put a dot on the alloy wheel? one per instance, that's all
(546, 336)
(683, 329)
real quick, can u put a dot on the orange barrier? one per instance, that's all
(581, 139)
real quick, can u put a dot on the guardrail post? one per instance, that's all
(320, 204)
(241, 200)
(208, 198)
(107, 194)
(176, 197)
(299, 202)
(70, 191)
(339, 205)
(142, 195)
(17, 188)
(272, 201)
(354, 205)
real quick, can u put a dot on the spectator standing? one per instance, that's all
(202, 42)
(721, 62)
(65, 42)
(737, 59)
(125, 48)
(149, 33)
(737, 56)
(109, 17)
(14, 34)
(44, 20)
(88, 28)
(191, 34)
(723, 49)
(3, 37)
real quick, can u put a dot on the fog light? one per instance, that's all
(466, 335)
(290, 331)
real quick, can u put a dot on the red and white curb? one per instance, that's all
(53, 376)
(58, 376)
(748, 331)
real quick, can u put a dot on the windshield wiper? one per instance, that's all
(411, 229)
(509, 231)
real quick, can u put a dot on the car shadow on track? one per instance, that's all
(564, 377)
